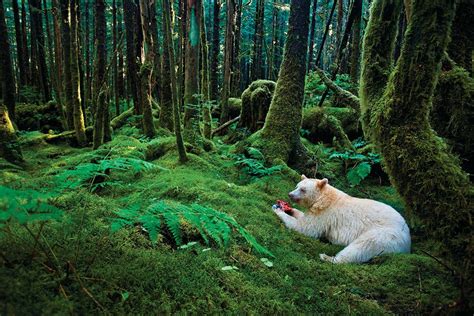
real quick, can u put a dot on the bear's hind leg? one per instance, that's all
(364, 248)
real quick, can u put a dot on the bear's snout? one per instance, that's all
(293, 197)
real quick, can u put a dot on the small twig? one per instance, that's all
(225, 125)
(439, 261)
(83, 288)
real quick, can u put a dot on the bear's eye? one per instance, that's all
(303, 190)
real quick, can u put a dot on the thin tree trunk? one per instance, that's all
(236, 72)
(24, 40)
(176, 113)
(272, 63)
(147, 75)
(22, 65)
(79, 124)
(7, 78)
(166, 95)
(214, 75)
(114, 62)
(58, 59)
(66, 48)
(326, 31)
(311, 36)
(49, 41)
(37, 44)
(206, 105)
(257, 63)
(192, 131)
(100, 92)
(88, 76)
(355, 53)
(129, 18)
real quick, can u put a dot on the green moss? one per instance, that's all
(255, 104)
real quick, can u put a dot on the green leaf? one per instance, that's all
(358, 173)
(267, 262)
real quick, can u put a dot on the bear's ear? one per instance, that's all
(303, 177)
(322, 183)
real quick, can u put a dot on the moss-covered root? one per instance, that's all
(9, 146)
(280, 134)
(256, 101)
(426, 175)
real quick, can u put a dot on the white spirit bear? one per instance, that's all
(366, 227)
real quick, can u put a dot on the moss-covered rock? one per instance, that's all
(234, 106)
(38, 117)
(256, 101)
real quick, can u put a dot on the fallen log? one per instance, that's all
(225, 125)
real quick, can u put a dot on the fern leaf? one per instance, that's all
(173, 224)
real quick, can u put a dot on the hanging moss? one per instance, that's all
(396, 116)
(279, 138)
(452, 115)
(256, 100)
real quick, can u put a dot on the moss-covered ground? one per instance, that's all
(78, 266)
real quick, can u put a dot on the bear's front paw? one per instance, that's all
(325, 257)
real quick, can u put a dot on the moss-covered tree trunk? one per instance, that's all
(168, 34)
(355, 43)
(280, 138)
(99, 75)
(192, 131)
(7, 79)
(396, 105)
(462, 37)
(257, 63)
(147, 75)
(9, 148)
(78, 115)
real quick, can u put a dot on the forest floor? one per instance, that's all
(78, 266)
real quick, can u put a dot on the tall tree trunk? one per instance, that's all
(206, 105)
(215, 48)
(37, 44)
(228, 58)
(326, 31)
(257, 63)
(147, 70)
(120, 80)
(340, 21)
(24, 40)
(274, 48)
(79, 124)
(182, 35)
(236, 70)
(192, 131)
(58, 59)
(66, 48)
(100, 89)
(280, 136)
(461, 47)
(88, 76)
(22, 65)
(7, 78)
(168, 34)
(132, 71)
(157, 61)
(311, 35)
(114, 57)
(355, 49)
(166, 95)
(49, 41)
(396, 106)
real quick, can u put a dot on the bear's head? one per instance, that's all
(307, 191)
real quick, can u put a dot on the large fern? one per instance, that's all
(25, 207)
(211, 224)
(253, 164)
(89, 174)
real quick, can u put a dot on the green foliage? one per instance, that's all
(359, 165)
(253, 164)
(211, 224)
(96, 175)
(25, 207)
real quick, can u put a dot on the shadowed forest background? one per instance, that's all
(143, 143)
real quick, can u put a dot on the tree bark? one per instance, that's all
(129, 18)
(24, 40)
(66, 59)
(22, 65)
(7, 78)
(311, 35)
(166, 96)
(396, 105)
(206, 105)
(326, 31)
(355, 45)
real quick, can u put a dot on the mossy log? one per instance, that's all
(330, 124)
(34, 117)
(396, 105)
(120, 120)
(256, 101)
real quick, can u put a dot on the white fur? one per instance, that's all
(368, 228)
